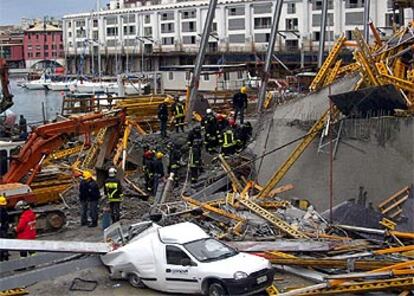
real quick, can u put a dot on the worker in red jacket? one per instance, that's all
(26, 227)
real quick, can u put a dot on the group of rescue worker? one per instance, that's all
(217, 133)
(90, 196)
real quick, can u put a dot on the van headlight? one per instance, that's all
(238, 275)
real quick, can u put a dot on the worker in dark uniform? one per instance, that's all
(174, 161)
(178, 110)
(194, 135)
(212, 135)
(148, 158)
(240, 103)
(195, 159)
(113, 192)
(4, 226)
(89, 196)
(243, 135)
(163, 117)
(157, 170)
(229, 142)
(22, 125)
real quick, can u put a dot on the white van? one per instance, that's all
(182, 258)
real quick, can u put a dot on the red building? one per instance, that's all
(11, 47)
(43, 43)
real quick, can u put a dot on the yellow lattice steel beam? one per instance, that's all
(323, 71)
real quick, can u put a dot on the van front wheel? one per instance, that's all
(216, 289)
(135, 281)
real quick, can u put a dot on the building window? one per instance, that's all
(46, 47)
(292, 45)
(129, 30)
(188, 27)
(61, 46)
(167, 28)
(262, 9)
(168, 41)
(129, 18)
(148, 32)
(389, 19)
(316, 20)
(95, 23)
(170, 75)
(292, 24)
(54, 46)
(38, 54)
(206, 77)
(147, 19)
(189, 39)
(69, 24)
(167, 16)
(95, 35)
(354, 3)
(291, 8)
(80, 23)
(354, 18)
(262, 22)
(237, 38)
(80, 33)
(316, 36)
(317, 4)
(38, 47)
(79, 44)
(70, 34)
(262, 37)
(29, 47)
(236, 24)
(189, 14)
(112, 20)
(46, 54)
(30, 54)
(112, 31)
(70, 44)
(239, 10)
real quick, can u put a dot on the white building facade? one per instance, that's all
(168, 33)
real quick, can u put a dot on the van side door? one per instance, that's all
(180, 271)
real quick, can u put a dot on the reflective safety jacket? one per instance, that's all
(113, 190)
(178, 110)
(228, 139)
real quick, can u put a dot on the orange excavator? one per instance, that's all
(42, 141)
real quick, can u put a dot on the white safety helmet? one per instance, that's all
(22, 205)
(209, 111)
(181, 99)
(112, 172)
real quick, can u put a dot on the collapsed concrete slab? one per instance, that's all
(376, 153)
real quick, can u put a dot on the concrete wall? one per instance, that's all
(375, 153)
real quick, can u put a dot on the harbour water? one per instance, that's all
(29, 102)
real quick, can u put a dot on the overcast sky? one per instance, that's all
(11, 11)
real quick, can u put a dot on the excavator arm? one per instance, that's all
(49, 137)
(6, 100)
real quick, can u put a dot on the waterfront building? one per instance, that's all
(43, 46)
(132, 35)
(11, 46)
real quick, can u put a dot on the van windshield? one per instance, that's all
(209, 249)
